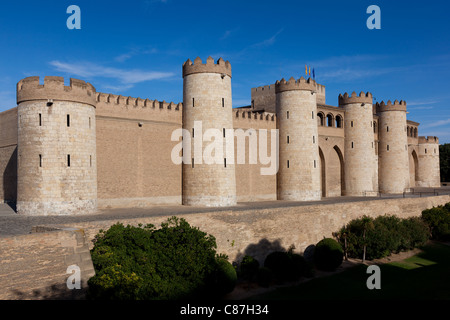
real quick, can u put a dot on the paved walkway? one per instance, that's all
(13, 224)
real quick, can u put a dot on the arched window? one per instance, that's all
(415, 132)
(320, 118)
(329, 120)
(338, 121)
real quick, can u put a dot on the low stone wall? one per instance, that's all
(260, 231)
(34, 266)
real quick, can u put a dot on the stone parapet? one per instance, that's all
(389, 106)
(222, 67)
(292, 84)
(354, 98)
(29, 89)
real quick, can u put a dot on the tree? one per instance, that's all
(444, 160)
(367, 223)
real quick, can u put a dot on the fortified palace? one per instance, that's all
(70, 149)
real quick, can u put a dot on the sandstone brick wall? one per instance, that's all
(48, 182)
(259, 231)
(263, 98)
(35, 266)
(251, 185)
(134, 159)
(8, 155)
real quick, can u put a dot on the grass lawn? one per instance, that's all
(423, 276)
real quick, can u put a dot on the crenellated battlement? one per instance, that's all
(354, 98)
(29, 89)
(429, 139)
(136, 102)
(263, 89)
(389, 106)
(265, 116)
(221, 66)
(292, 84)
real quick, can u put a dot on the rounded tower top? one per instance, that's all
(53, 88)
(354, 98)
(389, 106)
(221, 66)
(292, 84)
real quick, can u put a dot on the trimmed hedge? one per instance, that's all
(281, 265)
(328, 254)
(287, 266)
(224, 278)
(143, 263)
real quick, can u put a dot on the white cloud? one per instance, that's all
(88, 70)
(419, 103)
(436, 124)
(134, 52)
(268, 42)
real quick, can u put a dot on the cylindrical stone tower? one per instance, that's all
(429, 169)
(208, 175)
(298, 175)
(359, 146)
(393, 163)
(57, 172)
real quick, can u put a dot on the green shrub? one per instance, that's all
(249, 267)
(328, 254)
(416, 233)
(143, 263)
(264, 277)
(281, 265)
(438, 220)
(383, 236)
(300, 266)
(224, 277)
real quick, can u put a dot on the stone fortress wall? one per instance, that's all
(120, 147)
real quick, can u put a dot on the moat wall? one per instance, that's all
(34, 266)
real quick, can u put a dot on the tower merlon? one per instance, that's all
(256, 116)
(221, 66)
(429, 139)
(300, 84)
(354, 98)
(389, 106)
(53, 88)
(108, 98)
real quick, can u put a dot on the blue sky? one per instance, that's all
(136, 48)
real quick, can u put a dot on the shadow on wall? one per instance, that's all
(264, 247)
(10, 181)
(54, 292)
